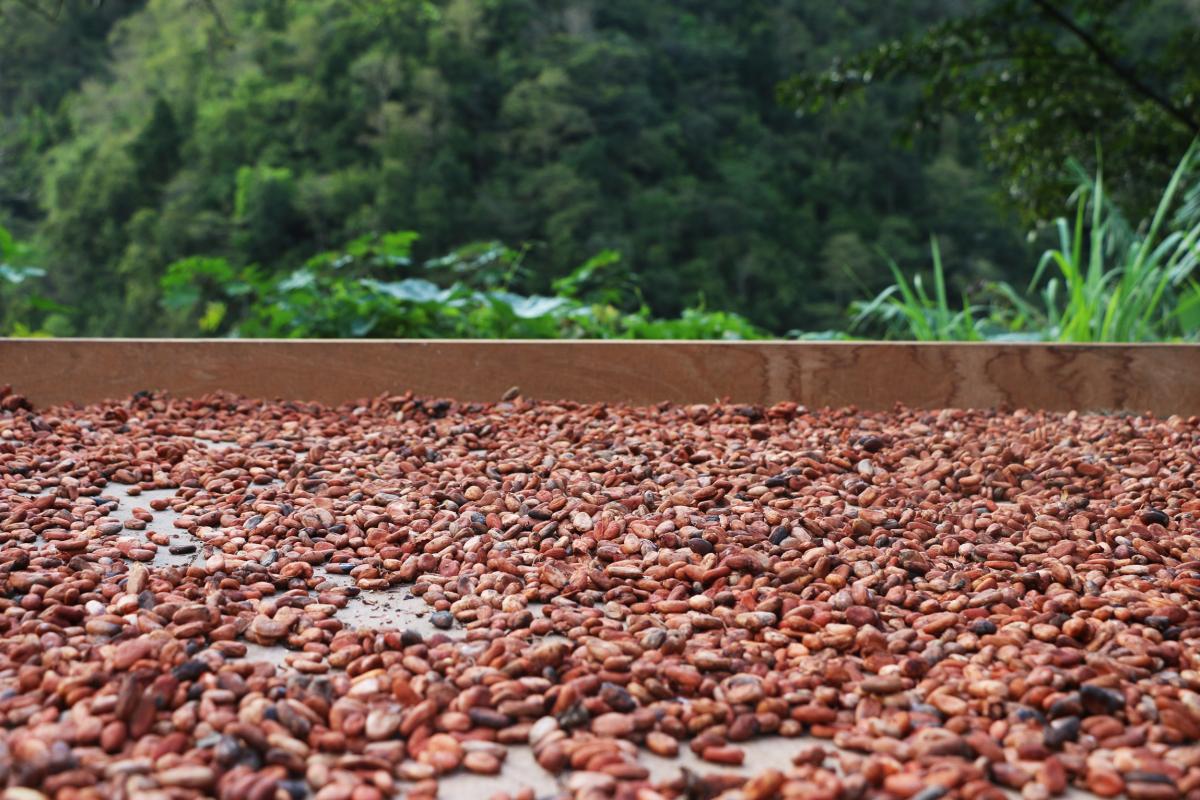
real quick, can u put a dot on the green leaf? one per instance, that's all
(214, 314)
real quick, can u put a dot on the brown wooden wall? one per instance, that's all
(1164, 379)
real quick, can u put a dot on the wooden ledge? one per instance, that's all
(1164, 379)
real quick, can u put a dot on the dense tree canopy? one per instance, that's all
(1116, 81)
(263, 132)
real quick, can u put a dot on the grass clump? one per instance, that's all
(1105, 280)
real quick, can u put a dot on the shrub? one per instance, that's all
(373, 288)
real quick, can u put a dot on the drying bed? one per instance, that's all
(920, 604)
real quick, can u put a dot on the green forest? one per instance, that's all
(693, 168)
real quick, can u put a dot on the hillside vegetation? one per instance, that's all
(275, 131)
(576, 168)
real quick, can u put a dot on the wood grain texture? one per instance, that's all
(1164, 379)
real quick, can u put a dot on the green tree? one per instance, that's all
(264, 212)
(46, 51)
(269, 132)
(155, 151)
(1049, 80)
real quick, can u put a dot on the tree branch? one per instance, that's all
(1114, 65)
(216, 13)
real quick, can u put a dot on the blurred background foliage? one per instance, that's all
(693, 168)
